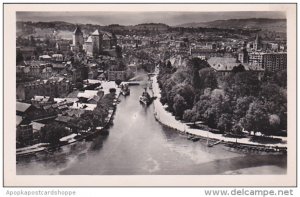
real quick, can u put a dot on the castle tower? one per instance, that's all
(96, 42)
(78, 37)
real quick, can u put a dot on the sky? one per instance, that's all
(134, 18)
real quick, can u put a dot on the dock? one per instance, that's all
(215, 143)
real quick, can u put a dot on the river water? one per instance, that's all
(139, 145)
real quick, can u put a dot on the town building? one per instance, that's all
(90, 96)
(243, 55)
(57, 58)
(45, 58)
(256, 58)
(84, 106)
(269, 61)
(62, 46)
(116, 75)
(22, 70)
(223, 65)
(275, 61)
(63, 120)
(24, 109)
(24, 132)
(208, 53)
(39, 101)
(51, 87)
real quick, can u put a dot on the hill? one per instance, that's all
(265, 24)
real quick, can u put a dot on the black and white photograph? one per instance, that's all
(139, 92)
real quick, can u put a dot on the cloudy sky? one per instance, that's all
(133, 18)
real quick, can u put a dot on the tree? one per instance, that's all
(236, 128)
(187, 115)
(246, 84)
(212, 114)
(256, 118)
(207, 79)
(242, 106)
(179, 105)
(79, 85)
(239, 68)
(187, 92)
(181, 75)
(274, 121)
(112, 90)
(194, 65)
(225, 122)
(202, 105)
(279, 78)
(51, 133)
(118, 82)
(190, 115)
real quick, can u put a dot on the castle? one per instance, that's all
(97, 43)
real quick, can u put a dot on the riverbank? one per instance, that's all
(44, 147)
(167, 119)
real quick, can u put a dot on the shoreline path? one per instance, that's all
(166, 118)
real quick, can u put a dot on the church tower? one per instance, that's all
(257, 43)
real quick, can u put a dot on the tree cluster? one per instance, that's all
(231, 103)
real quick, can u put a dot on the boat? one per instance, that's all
(145, 98)
(195, 139)
(125, 89)
(69, 139)
(32, 150)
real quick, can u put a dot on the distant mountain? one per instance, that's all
(40, 29)
(277, 25)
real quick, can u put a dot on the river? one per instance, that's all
(138, 145)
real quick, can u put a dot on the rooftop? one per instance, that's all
(22, 107)
(18, 120)
(77, 31)
(95, 33)
(88, 94)
(68, 100)
(89, 107)
(89, 39)
(74, 112)
(64, 119)
(223, 63)
(37, 126)
(41, 98)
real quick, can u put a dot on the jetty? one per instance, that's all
(215, 143)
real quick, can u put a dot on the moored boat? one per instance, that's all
(125, 89)
(145, 98)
